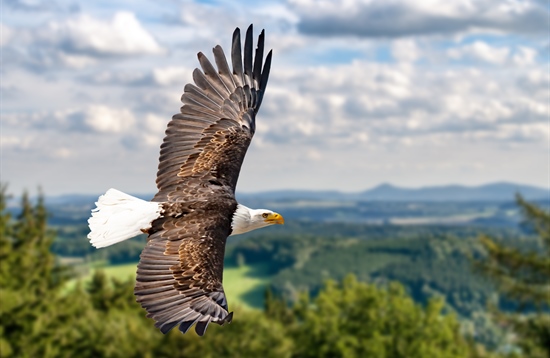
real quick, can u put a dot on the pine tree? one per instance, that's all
(525, 278)
(5, 250)
(29, 277)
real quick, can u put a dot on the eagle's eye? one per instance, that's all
(264, 215)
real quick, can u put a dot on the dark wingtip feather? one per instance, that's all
(265, 71)
(184, 326)
(263, 80)
(248, 53)
(258, 58)
(165, 328)
(201, 326)
(236, 56)
(237, 33)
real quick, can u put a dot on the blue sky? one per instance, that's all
(361, 92)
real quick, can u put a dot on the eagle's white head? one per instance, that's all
(246, 219)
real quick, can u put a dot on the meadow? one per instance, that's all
(244, 285)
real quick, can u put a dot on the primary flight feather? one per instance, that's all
(179, 275)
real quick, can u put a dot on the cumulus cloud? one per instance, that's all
(90, 119)
(158, 77)
(6, 34)
(535, 81)
(31, 5)
(405, 50)
(147, 133)
(524, 56)
(401, 18)
(103, 119)
(122, 35)
(381, 104)
(481, 51)
(80, 40)
(12, 141)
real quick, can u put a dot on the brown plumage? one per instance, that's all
(179, 276)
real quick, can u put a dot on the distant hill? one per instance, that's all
(488, 192)
(385, 192)
(388, 192)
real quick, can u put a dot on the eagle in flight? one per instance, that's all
(180, 272)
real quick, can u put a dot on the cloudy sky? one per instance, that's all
(361, 92)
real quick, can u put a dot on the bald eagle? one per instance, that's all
(179, 275)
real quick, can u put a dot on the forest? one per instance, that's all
(334, 290)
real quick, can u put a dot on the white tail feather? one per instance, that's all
(120, 217)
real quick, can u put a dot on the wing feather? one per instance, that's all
(196, 96)
(223, 68)
(264, 78)
(212, 74)
(258, 58)
(236, 58)
(248, 57)
(207, 86)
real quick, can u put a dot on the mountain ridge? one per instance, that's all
(496, 191)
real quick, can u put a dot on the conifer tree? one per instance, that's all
(29, 277)
(524, 277)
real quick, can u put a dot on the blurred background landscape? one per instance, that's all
(394, 137)
(382, 236)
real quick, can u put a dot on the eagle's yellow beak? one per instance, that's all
(274, 219)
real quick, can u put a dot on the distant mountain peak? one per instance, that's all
(384, 186)
(499, 191)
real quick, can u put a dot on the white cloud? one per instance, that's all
(6, 34)
(63, 153)
(159, 76)
(108, 120)
(405, 50)
(92, 118)
(32, 5)
(378, 104)
(399, 18)
(524, 56)
(535, 81)
(80, 40)
(480, 51)
(122, 35)
(12, 141)
(154, 129)
(166, 76)
(513, 133)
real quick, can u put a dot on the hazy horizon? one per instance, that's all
(34, 191)
(411, 93)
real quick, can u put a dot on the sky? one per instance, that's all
(361, 92)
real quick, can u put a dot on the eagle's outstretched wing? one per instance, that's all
(179, 276)
(209, 138)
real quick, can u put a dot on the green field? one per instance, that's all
(244, 285)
